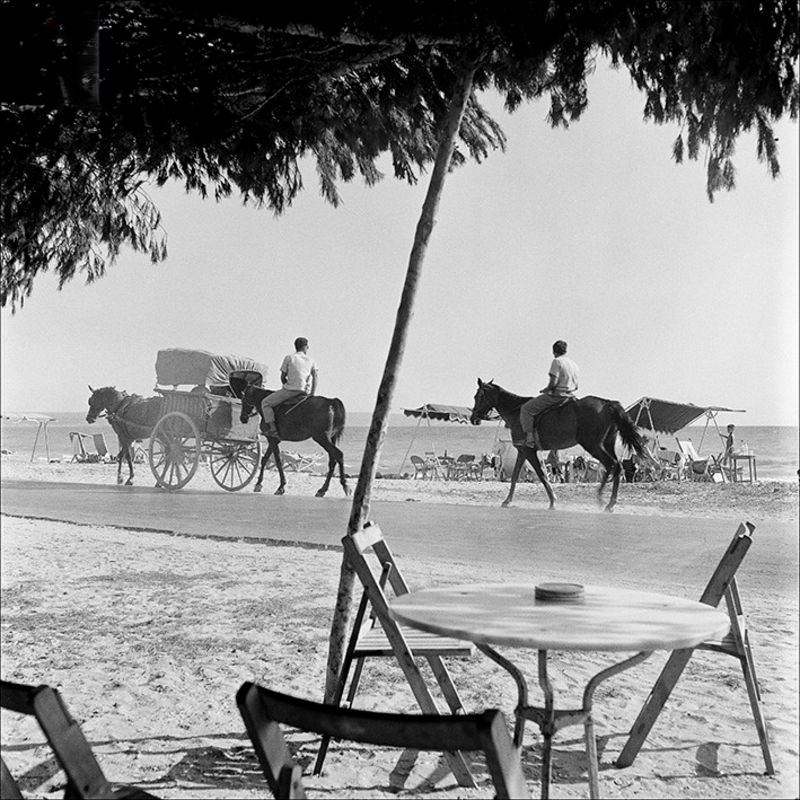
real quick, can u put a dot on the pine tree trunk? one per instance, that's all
(377, 432)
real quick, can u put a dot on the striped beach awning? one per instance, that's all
(445, 413)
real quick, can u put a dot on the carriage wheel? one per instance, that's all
(174, 450)
(234, 464)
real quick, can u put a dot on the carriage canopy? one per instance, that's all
(178, 366)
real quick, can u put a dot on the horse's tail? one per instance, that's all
(336, 415)
(627, 429)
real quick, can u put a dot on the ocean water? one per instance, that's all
(777, 448)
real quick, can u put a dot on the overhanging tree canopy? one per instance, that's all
(231, 96)
(224, 95)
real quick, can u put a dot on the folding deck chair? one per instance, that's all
(698, 468)
(391, 640)
(735, 643)
(101, 447)
(263, 710)
(73, 753)
(79, 451)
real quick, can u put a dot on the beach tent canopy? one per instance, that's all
(38, 418)
(445, 413)
(178, 366)
(41, 421)
(666, 416)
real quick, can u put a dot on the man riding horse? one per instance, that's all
(563, 384)
(298, 379)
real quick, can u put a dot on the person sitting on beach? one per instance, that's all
(563, 383)
(555, 466)
(729, 444)
(299, 378)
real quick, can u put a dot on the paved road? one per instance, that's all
(671, 552)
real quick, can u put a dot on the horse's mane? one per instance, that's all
(507, 396)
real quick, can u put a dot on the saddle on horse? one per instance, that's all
(532, 439)
(280, 411)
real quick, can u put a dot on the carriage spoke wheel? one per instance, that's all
(234, 464)
(174, 450)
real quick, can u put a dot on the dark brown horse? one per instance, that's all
(591, 422)
(131, 416)
(316, 417)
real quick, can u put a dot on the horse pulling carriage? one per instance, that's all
(217, 419)
(204, 421)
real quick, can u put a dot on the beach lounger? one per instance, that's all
(85, 778)
(735, 643)
(697, 468)
(263, 711)
(670, 463)
(297, 462)
(79, 451)
(100, 446)
(389, 639)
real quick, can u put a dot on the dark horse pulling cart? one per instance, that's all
(204, 420)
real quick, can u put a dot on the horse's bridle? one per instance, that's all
(475, 418)
(111, 413)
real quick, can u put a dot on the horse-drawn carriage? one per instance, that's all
(203, 422)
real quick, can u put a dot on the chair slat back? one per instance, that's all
(263, 708)
(728, 565)
(63, 734)
(356, 546)
(73, 753)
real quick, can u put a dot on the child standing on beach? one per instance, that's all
(729, 444)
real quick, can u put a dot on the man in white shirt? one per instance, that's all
(563, 383)
(299, 378)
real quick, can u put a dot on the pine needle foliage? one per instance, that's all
(230, 97)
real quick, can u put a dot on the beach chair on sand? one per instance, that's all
(264, 710)
(735, 643)
(79, 451)
(670, 463)
(297, 462)
(421, 468)
(697, 468)
(389, 639)
(100, 446)
(85, 779)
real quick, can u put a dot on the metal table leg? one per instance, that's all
(550, 720)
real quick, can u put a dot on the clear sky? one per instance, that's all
(593, 235)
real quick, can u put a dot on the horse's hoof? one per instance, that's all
(346, 491)
(320, 493)
(129, 483)
(257, 487)
(505, 504)
(279, 490)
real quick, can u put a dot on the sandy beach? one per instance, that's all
(149, 635)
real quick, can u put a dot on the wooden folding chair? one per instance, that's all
(735, 643)
(263, 710)
(73, 753)
(391, 640)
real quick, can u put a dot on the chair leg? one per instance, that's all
(751, 681)
(652, 706)
(446, 684)
(337, 700)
